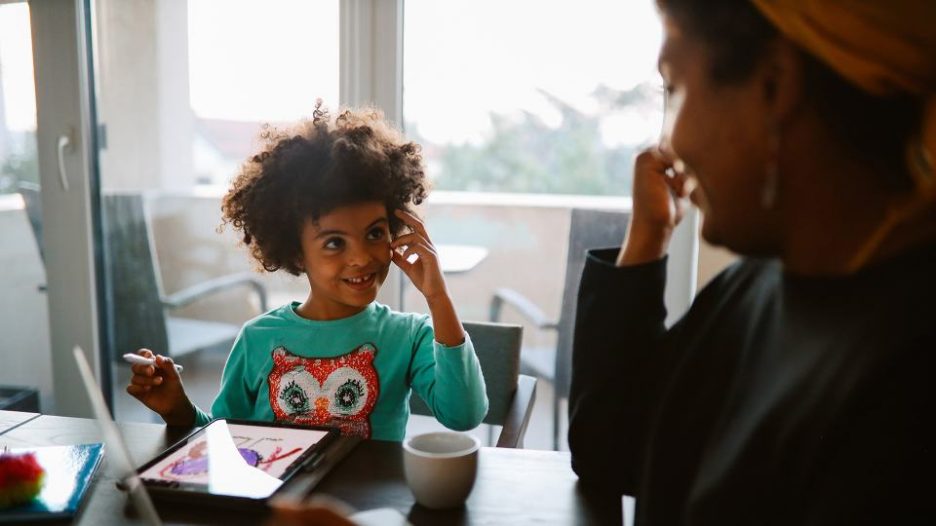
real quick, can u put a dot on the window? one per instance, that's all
(511, 99)
(531, 96)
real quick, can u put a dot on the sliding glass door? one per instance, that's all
(48, 305)
(183, 91)
(24, 321)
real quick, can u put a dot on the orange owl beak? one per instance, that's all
(321, 409)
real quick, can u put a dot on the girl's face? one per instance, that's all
(346, 256)
(720, 132)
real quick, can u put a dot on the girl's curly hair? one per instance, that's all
(314, 167)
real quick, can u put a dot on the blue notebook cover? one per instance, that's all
(69, 471)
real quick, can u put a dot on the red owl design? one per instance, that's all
(339, 391)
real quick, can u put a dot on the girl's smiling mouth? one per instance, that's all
(362, 282)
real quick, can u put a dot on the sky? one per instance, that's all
(464, 59)
(268, 60)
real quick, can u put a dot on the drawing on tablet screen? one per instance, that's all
(269, 449)
(260, 453)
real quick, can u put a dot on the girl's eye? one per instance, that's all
(376, 234)
(334, 243)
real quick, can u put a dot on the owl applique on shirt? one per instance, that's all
(339, 391)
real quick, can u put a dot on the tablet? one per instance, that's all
(235, 461)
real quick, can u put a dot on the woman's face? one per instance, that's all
(720, 132)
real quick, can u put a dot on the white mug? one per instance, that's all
(440, 467)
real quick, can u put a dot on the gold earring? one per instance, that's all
(772, 169)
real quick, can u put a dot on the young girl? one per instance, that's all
(330, 198)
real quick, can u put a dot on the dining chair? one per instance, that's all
(142, 314)
(30, 194)
(588, 229)
(510, 394)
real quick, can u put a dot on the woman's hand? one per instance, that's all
(660, 201)
(425, 271)
(319, 510)
(159, 387)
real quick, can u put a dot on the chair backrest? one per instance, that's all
(498, 348)
(132, 277)
(588, 229)
(31, 197)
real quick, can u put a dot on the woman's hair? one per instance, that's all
(875, 129)
(310, 169)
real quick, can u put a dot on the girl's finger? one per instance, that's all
(425, 252)
(401, 262)
(412, 238)
(405, 258)
(166, 367)
(146, 380)
(137, 390)
(145, 370)
(409, 269)
(412, 221)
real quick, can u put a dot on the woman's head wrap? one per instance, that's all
(884, 47)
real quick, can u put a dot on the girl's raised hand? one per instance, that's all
(159, 387)
(419, 259)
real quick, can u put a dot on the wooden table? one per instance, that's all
(514, 486)
(12, 419)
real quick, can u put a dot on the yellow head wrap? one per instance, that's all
(885, 48)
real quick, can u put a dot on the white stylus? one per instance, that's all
(142, 360)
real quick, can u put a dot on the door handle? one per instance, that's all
(64, 146)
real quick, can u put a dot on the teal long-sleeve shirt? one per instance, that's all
(356, 373)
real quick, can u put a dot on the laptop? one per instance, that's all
(114, 442)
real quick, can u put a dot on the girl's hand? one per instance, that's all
(660, 197)
(159, 387)
(425, 271)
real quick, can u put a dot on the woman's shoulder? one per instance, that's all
(744, 275)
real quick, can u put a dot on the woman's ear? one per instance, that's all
(783, 79)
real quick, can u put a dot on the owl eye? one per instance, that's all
(296, 392)
(294, 399)
(348, 391)
(348, 395)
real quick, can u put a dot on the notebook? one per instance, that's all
(69, 471)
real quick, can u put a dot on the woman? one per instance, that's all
(798, 388)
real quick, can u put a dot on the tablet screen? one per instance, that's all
(235, 459)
